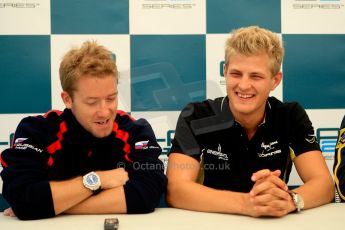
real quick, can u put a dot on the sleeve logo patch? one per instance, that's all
(20, 140)
(141, 145)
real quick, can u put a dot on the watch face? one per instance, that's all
(92, 179)
(92, 182)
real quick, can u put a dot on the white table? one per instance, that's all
(330, 217)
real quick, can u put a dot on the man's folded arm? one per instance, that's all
(184, 192)
(146, 185)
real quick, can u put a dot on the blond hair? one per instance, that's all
(254, 40)
(90, 59)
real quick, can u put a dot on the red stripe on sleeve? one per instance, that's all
(50, 161)
(115, 127)
(55, 146)
(122, 135)
(3, 163)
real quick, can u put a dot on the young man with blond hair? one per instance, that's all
(234, 154)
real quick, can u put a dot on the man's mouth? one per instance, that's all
(102, 122)
(245, 96)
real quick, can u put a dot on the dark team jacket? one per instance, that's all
(56, 147)
(339, 164)
(207, 132)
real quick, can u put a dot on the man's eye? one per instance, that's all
(257, 77)
(235, 74)
(91, 103)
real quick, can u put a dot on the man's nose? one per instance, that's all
(103, 109)
(244, 83)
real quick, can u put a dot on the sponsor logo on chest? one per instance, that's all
(218, 153)
(269, 149)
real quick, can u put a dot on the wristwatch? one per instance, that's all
(297, 200)
(93, 182)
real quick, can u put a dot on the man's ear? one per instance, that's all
(67, 99)
(277, 79)
(225, 69)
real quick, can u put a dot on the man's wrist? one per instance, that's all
(297, 200)
(92, 181)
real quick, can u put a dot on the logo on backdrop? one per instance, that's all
(19, 5)
(168, 4)
(327, 137)
(221, 73)
(165, 143)
(317, 4)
